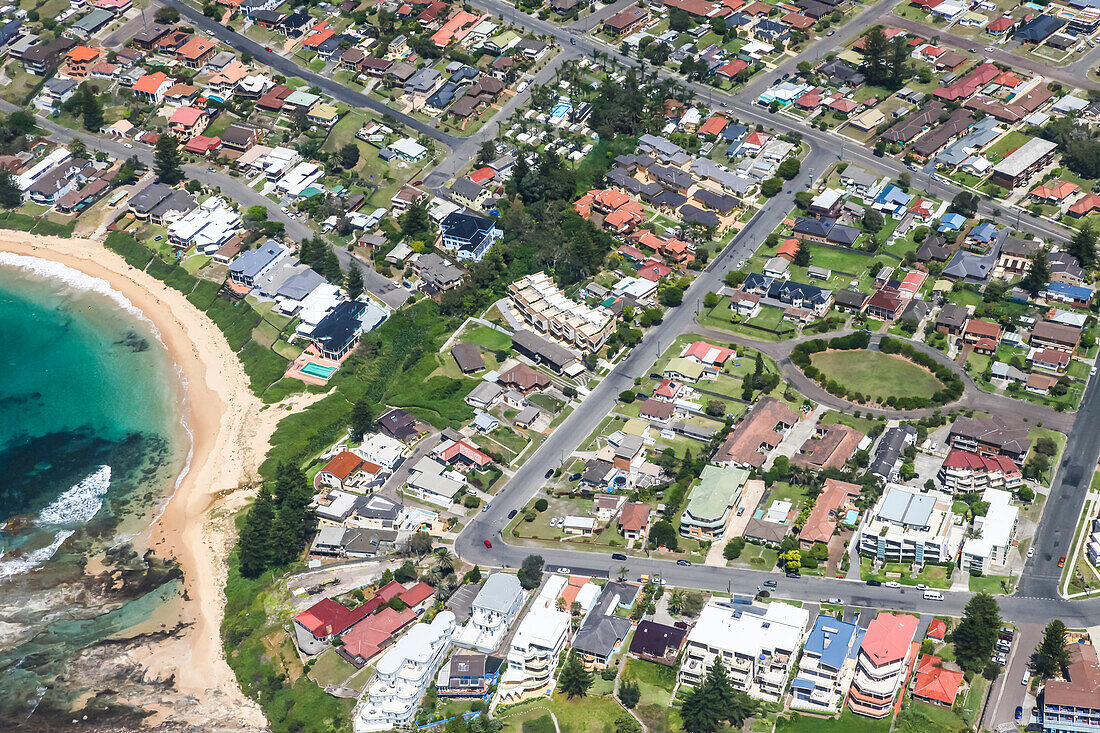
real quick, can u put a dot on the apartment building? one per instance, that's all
(991, 437)
(907, 525)
(757, 644)
(535, 646)
(711, 502)
(494, 609)
(827, 666)
(1073, 705)
(543, 305)
(882, 664)
(965, 471)
(403, 675)
(996, 530)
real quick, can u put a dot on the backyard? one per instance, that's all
(877, 375)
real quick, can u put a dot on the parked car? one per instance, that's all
(874, 582)
(1030, 551)
(793, 574)
(549, 473)
(771, 584)
(893, 584)
(1019, 711)
(618, 556)
(684, 563)
(513, 513)
(1062, 561)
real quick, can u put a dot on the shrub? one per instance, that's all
(541, 505)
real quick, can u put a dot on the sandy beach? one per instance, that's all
(231, 435)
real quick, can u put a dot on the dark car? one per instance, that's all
(550, 473)
(874, 582)
(1019, 712)
(513, 513)
(770, 584)
(792, 574)
(618, 556)
(683, 562)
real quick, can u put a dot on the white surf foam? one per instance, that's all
(25, 563)
(81, 502)
(73, 278)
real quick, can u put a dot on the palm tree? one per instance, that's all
(622, 572)
(444, 559)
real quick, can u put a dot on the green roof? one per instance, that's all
(718, 489)
(690, 369)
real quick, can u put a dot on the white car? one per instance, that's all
(989, 49)
(128, 146)
(1030, 552)
(893, 584)
(922, 586)
(1092, 372)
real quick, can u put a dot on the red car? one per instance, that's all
(1062, 561)
(267, 48)
(488, 544)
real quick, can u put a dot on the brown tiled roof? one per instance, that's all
(756, 430)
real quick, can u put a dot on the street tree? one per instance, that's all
(1051, 657)
(977, 632)
(530, 573)
(167, 163)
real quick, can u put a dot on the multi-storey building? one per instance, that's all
(910, 526)
(882, 664)
(536, 644)
(827, 665)
(495, 608)
(996, 530)
(963, 471)
(542, 304)
(403, 675)
(1073, 705)
(757, 645)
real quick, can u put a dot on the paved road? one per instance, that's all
(1007, 691)
(973, 396)
(288, 67)
(119, 36)
(1064, 75)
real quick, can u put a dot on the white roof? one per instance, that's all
(299, 178)
(381, 449)
(574, 521)
(408, 147)
(418, 646)
(750, 629)
(827, 198)
(317, 305)
(544, 624)
(996, 526)
(339, 506)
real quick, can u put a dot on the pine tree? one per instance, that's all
(1038, 273)
(574, 680)
(977, 632)
(354, 282)
(91, 109)
(629, 693)
(254, 544)
(1083, 246)
(10, 195)
(1051, 658)
(362, 418)
(801, 257)
(166, 161)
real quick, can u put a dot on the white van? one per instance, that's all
(933, 595)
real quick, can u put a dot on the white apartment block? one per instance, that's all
(497, 605)
(536, 644)
(403, 675)
(757, 644)
(205, 228)
(539, 301)
(827, 666)
(907, 525)
(997, 528)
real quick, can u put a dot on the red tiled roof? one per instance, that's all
(482, 174)
(185, 116)
(714, 125)
(418, 593)
(1001, 24)
(327, 617)
(822, 519)
(965, 459)
(1085, 205)
(343, 464)
(733, 68)
(937, 629)
(150, 83)
(936, 683)
(984, 329)
(634, 516)
(463, 449)
(1057, 191)
(888, 637)
(709, 353)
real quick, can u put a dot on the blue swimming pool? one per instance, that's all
(314, 369)
(561, 110)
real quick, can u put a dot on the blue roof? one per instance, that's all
(801, 684)
(952, 221)
(831, 640)
(894, 195)
(983, 232)
(1077, 292)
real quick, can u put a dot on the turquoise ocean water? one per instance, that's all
(91, 444)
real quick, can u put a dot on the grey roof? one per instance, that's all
(301, 284)
(484, 392)
(889, 449)
(528, 415)
(952, 315)
(467, 189)
(253, 262)
(548, 351)
(1025, 156)
(377, 506)
(468, 356)
(157, 199)
(93, 21)
(603, 630)
(906, 507)
(499, 592)
(858, 176)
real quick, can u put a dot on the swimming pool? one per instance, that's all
(560, 111)
(314, 369)
(851, 517)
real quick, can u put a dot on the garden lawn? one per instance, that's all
(875, 374)
(848, 722)
(490, 338)
(655, 681)
(579, 715)
(862, 424)
(988, 584)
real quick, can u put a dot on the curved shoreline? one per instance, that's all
(229, 438)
